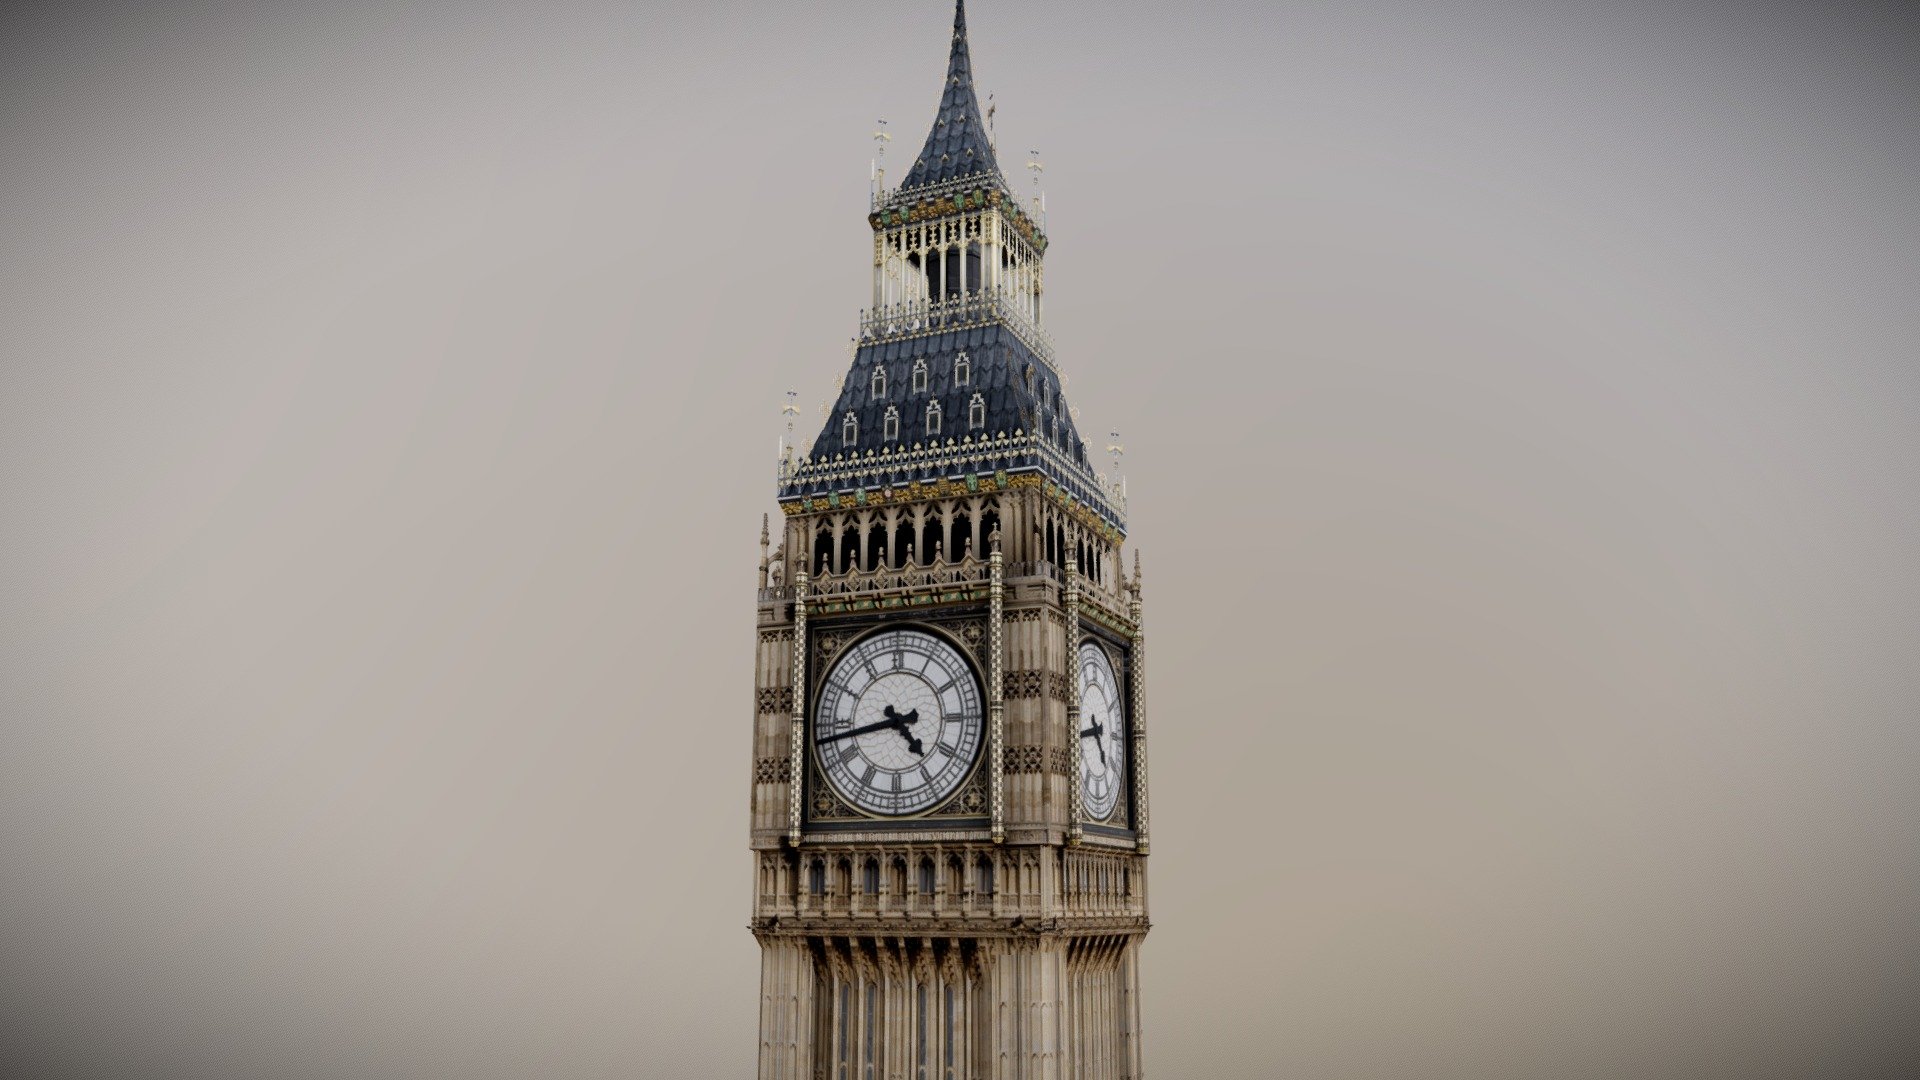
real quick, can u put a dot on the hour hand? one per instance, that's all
(1094, 732)
(893, 720)
(899, 723)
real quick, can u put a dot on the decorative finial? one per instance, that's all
(763, 551)
(993, 541)
(1039, 200)
(789, 410)
(880, 141)
(1136, 571)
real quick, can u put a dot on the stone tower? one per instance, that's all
(949, 785)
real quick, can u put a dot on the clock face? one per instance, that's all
(898, 724)
(1102, 748)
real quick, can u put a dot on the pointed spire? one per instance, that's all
(957, 145)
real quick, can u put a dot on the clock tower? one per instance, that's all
(949, 784)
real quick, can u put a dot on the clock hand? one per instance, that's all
(900, 725)
(880, 725)
(1095, 732)
(894, 721)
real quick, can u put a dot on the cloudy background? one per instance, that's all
(1523, 430)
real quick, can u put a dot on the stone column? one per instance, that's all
(996, 703)
(796, 750)
(786, 1010)
(1138, 663)
(1077, 811)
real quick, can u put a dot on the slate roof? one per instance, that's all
(957, 145)
(1020, 394)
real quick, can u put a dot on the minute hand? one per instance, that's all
(880, 726)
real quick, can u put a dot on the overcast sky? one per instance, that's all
(1523, 426)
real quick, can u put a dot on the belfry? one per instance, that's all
(949, 780)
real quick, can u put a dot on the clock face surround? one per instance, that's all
(898, 725)
(1102, 727)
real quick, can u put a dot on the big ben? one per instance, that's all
(949, 817)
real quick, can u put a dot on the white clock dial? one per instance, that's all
(898, 724)
(1102, 727)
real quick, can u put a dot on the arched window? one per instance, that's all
(849, 431)
(870, 878)
(890, 428)
(926, 877)
(933, 418)
(879, 382)
(986, 875)
(962, 370)
(976, 413)
(817, 878)
(920, 376)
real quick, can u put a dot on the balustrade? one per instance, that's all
(922, 316)
(907, 579)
